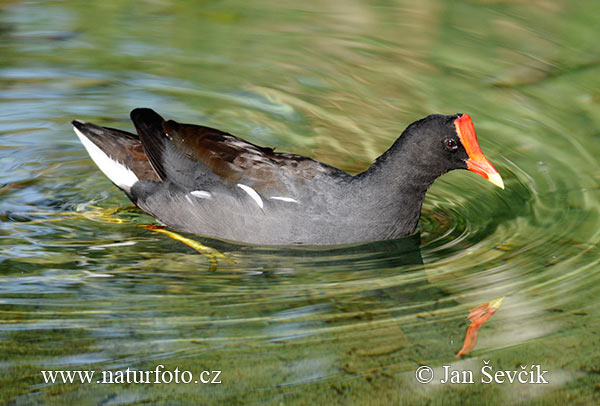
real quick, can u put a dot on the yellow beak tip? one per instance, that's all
(496, 179)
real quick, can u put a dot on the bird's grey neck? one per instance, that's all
(394, 185)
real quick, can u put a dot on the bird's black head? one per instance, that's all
(438, 144)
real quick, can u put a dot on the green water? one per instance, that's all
(84, 287)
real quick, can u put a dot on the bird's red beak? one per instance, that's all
(477, 162)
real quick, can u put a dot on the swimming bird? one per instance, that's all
(205, 181)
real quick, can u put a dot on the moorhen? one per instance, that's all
(205, 181)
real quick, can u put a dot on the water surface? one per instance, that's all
(84, 287)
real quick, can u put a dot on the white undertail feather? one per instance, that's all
(118, 173)
(252, 193)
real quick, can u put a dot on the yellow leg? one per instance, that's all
(211, 254)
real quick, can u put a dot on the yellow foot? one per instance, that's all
(211, 254)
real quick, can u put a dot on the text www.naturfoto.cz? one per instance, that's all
(156, 376)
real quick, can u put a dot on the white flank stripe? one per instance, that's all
(118, 173)
(252, 193)
(202, 194)
(284, 199)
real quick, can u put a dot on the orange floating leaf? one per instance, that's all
(478, 315)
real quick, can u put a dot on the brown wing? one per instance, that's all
(235, 160)
(231, 159)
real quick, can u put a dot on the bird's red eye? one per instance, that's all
(450, 144)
